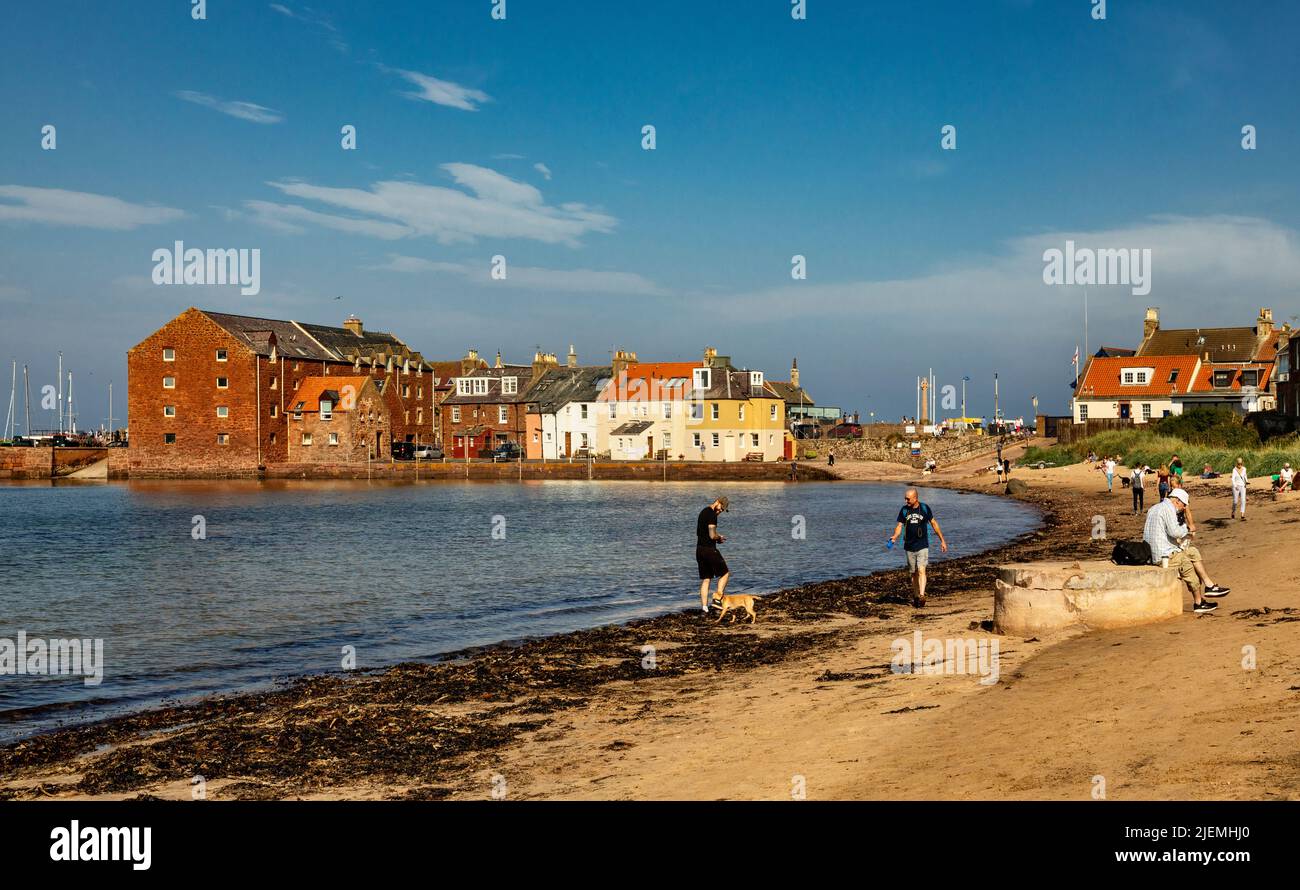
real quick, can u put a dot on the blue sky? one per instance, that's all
(775, 137)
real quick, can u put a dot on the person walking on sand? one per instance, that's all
(1139, 489)
(1109, 468)
(1239, 481)
(1162, 477)
(1176, 470)
(1168, 532)
(831, 459)
(914, 521)
(707, 556)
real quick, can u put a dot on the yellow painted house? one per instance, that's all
(734, 415)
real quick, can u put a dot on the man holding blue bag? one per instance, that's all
(914, 521)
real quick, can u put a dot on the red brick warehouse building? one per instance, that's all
(208, 391)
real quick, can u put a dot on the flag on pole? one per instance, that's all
(1076, 356)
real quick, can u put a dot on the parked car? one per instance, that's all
(428, 452)
(21, 442)
(506, 451)
(404, 451)
(845, 431)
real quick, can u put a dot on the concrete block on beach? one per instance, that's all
(1044, 597)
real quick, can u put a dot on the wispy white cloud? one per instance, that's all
(247, 111)
(488, 204)
(574, 281)
(442, 92)
(312, 17)
(59, 207)
(544, 170)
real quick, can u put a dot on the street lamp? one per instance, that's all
(963, 397)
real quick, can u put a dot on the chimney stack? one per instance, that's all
(498, 364)
(573, 357)
(1152, 322)
(794, 373)
(1264, 324)
(622, 358)
(353, 324)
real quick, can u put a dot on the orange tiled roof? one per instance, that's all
(1104, 377)
(312, 388)
(648, 381)
(1205, 377)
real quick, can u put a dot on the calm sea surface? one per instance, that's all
(291, 572)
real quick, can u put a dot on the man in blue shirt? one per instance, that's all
(914, 521)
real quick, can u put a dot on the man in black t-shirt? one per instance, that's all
(916, 519)
(707, 556)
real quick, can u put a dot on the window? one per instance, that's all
(480, 386)
(742, 412)
(502, 413)
(462, 386)
(169, 355)
(1083, 411)
(334, 438)
(1173, 376)
(223, 383)
(272, 438)
(582, 411)
(756, 379)
(773, 412)
(509, 385)
(419, 392)
(169, 410)
(1142, 377)
(1128, 376)
(755, 437)
(275, 410)
(406, 390)
(297, 411)
(613, 410)
(668, 410)
(1250, 378)
(169, 383)
(221, 355)
(696, 438)
(703, 378)
(668, 440)
(697, 411)
(713, 411)
(223, 411)
(1222, 378)
(326, 409)
(1146, 411)
(169, 438)
(275, 383)
(583, 436)
(419, 415)
(306, 438)
(223, 438)
(716, 440)
(455, 413)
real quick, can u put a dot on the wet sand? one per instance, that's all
(803, 701)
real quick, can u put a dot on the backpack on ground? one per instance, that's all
(1131, 553)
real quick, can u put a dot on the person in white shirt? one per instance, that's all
(1288, 476)
(1239, 489)
(1109, 467)
(1166, 533)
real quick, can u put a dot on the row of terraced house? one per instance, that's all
(213, 393)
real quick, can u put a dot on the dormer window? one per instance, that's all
(462, 386)
(297, 411)
(756, 379)
(1222, 378)
(480, 385)
(326, 409)
(509, 386)
(703, 378)
(1136, 376)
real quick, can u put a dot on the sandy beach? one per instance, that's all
(803, 702)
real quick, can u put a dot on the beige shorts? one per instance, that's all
(1184, 562)
(917, 559)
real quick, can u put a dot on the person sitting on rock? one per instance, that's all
(1168, 533)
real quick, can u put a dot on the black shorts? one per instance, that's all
(711, 563)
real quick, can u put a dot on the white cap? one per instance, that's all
(1180, 494)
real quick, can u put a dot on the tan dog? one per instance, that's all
(737, 601)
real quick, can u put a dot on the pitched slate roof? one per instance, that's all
(494, 395)
(560, 386)
(314, 342)
(791, 394)
(1104, 377)
(632, 428)
(1236, 344)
